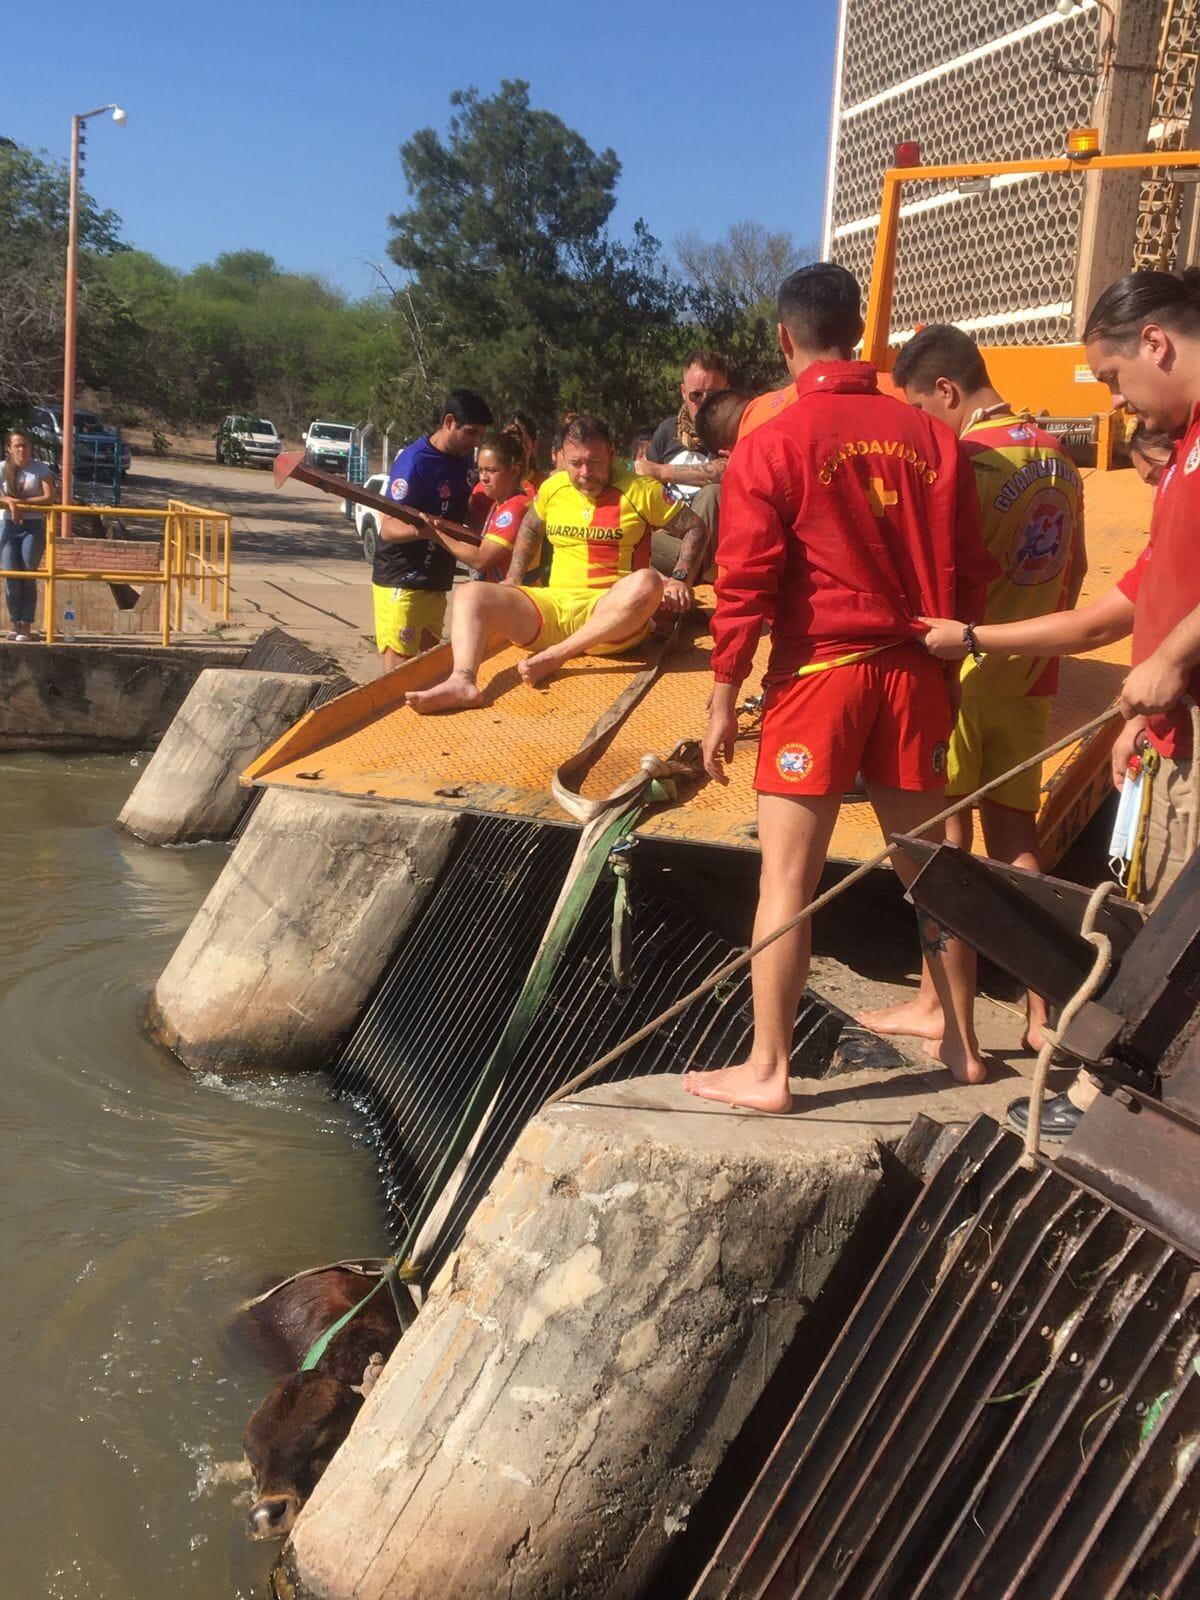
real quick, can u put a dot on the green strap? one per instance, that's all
(622, 917)
(521, 1018)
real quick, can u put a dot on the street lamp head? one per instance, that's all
(120, 117)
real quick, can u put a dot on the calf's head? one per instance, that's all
(289, 1441)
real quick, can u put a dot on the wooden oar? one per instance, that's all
(294, 466)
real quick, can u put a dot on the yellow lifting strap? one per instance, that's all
(1137, 860)
(849, 660)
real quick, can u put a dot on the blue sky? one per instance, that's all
(277, 127)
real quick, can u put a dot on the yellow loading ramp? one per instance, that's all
(501, 757)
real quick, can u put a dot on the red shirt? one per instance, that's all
(843, 519)
(1164, 582)
(502, 526)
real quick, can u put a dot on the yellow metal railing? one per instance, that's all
(195, 556)
(202, 559)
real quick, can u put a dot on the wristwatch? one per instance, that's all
(680, 575)
(972, 643)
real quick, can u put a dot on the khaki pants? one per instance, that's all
(1165, 851)
(664, 556)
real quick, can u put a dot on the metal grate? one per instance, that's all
(418, 1051)
(277, 651)
(1013, 1410)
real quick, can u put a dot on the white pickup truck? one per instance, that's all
(327, 444)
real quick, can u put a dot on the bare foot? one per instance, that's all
(457, 693)
(1036, 1021)
(911, 1017)
(964, 1062)
(742, 1085)
(534, 669)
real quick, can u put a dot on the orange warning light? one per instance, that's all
(1083, 144)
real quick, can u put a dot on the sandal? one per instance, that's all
(1060, 1117)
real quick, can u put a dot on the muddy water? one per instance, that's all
(138, 1205)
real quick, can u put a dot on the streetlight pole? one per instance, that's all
(68, 408)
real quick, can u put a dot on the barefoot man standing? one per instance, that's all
(838, 516)
(602, 592)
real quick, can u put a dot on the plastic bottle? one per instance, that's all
(69, 624)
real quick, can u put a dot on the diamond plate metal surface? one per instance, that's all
(500, 758)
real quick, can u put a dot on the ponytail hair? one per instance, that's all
(1125, 307)
(507, 445)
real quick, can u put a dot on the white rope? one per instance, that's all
(1102, 945)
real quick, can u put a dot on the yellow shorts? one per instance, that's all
(564, 611)
(408, 621)
(992, 734)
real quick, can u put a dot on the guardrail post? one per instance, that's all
(51, 567)
(165, 610)
(227, 522)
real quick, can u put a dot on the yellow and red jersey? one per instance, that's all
(594, 542)
(1031, 512)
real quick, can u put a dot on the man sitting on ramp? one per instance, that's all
(602, 593)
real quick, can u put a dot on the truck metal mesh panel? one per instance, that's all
(423, 1041)
(1013, 1409)
(1156, 235)
(975, 81)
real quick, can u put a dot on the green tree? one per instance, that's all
(514, 285)
(732, 283)
(34, 201)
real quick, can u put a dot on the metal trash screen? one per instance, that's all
(1012, 1411)
(423, 1041)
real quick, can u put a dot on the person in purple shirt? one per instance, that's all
(411, 576)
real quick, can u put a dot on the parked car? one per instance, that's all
(327, 444)
(97, 446)
(247, 441)
(366, 519)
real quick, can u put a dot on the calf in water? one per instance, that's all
(291, 1438)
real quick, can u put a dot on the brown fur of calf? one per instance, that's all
(291, 1438)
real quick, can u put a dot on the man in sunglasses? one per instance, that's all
(678, 459)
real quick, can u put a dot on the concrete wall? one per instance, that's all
(295, 933)
(97, 696)
(622, 1296)
(190, 789)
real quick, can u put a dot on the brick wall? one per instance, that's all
(110, 555)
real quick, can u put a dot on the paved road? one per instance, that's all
(297, 562)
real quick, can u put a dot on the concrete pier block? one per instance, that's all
(295, 933)
(622, 1295)
(190, 790)
(98, 696)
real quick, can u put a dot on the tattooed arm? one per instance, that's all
(526, 547)
(693, 553)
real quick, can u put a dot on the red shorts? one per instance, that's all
(887, 717)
